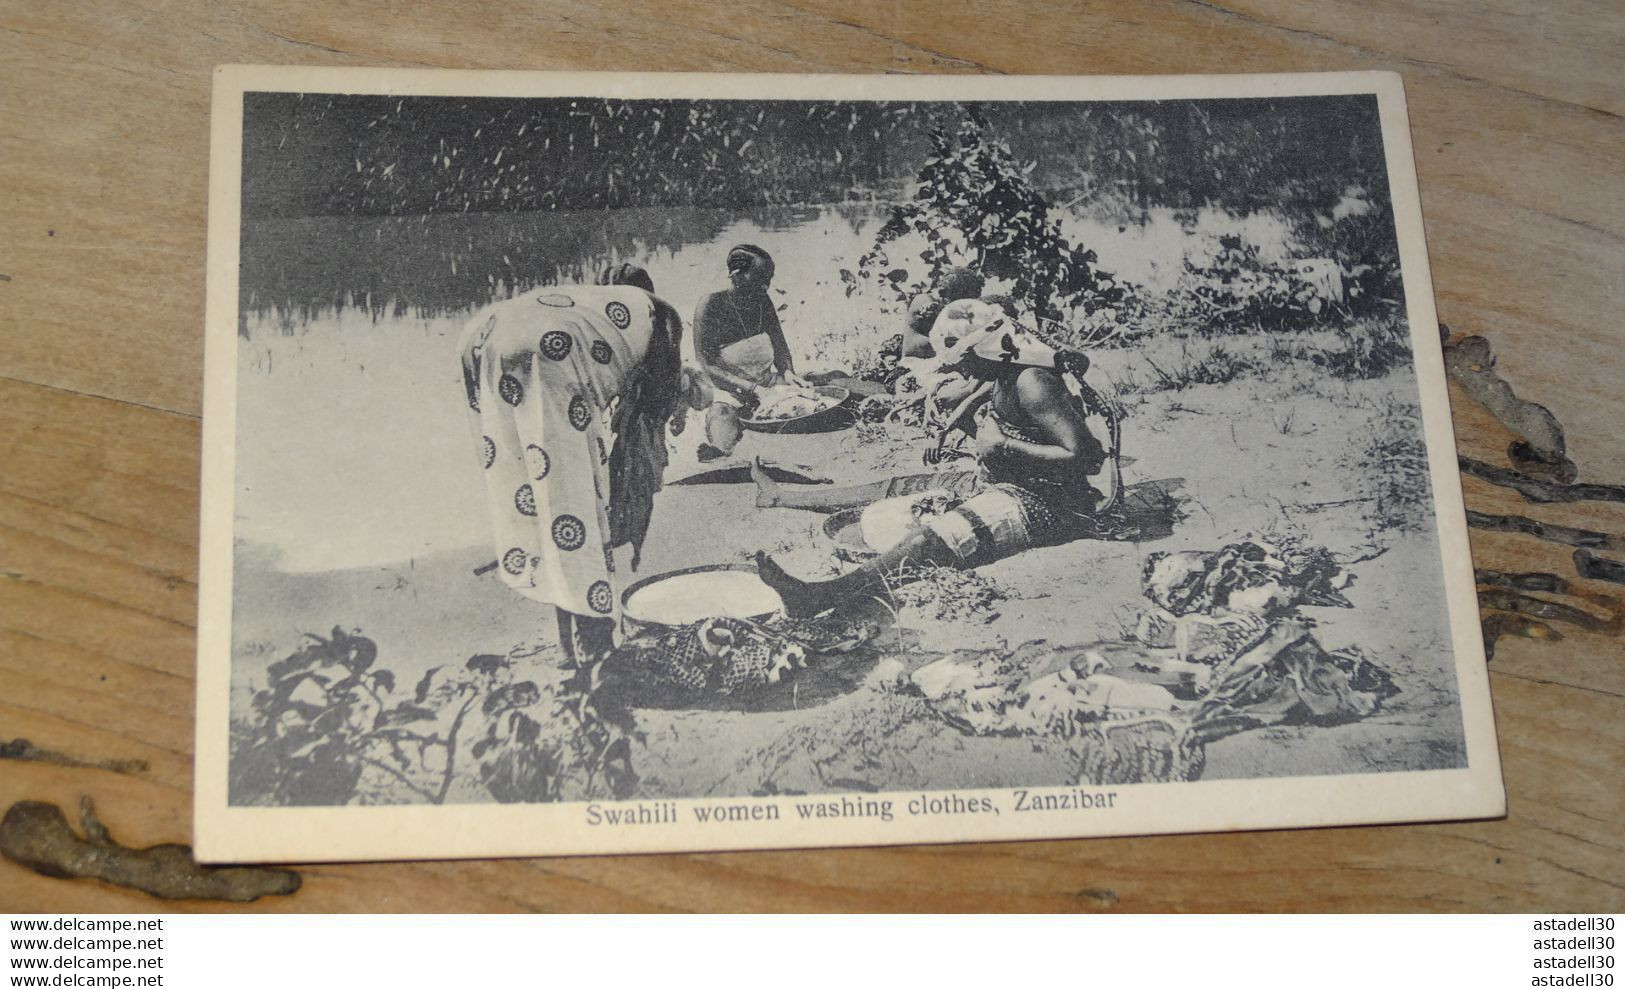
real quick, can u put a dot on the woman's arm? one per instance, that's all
(1045, 400)
(775, 334)
(709, 339)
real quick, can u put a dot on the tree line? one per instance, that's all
(321, 154)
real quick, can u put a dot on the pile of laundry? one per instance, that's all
(786, 401)
(1220, 648)
(722, 656)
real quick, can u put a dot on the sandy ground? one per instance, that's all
(1266, 455)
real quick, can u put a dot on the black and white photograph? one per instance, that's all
(634, 463)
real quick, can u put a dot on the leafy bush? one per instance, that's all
(306, 739)
(973, 204)
(328, 730)
(598, 733)
(1370, 349)
(1362, 243)
(1393, 469)
(1214, 364)
(1236, 289)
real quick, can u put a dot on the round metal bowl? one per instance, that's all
(837, 416)
(637, 622)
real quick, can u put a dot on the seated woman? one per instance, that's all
(961, 398)
(898, 357)
(952, 285)
(918, 382)
(1035, 456)
(740, 343)
(570, 389)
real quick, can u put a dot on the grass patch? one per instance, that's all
(947, 594)
(1201, 362)
(1179, 357)
(1393, 469)
(1369, 348)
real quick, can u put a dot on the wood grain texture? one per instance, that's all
(1516, 115)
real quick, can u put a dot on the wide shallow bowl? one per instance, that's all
(679, 597)
(837, 416)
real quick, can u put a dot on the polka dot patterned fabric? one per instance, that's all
(556, 345)
(580, 415)
(525, 500)
(513, 561)
(569, 533)
(601, 598)
(536, 462)
(557, 358)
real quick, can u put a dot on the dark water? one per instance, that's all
(295, 270)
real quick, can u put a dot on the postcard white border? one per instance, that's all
(222, 833)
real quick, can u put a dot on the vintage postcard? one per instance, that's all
(628, 463)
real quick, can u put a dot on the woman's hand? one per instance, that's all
(695, 385)
(953, 389)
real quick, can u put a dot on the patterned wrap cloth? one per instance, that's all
(999, 519)
(548, 376)
(989, 333)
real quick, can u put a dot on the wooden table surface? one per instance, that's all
(1516, 115)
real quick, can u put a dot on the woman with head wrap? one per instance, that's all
(1035, 456)
(920, 381)
(570, 389)
(900, 355)
(739, 342)
(737, 335)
